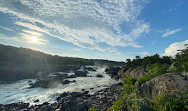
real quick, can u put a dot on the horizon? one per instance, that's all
(96, 29)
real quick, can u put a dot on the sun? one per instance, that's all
(33, 39)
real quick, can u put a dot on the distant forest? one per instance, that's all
(17, 55)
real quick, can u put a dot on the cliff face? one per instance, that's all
(172, 83)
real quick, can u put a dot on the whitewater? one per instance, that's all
(19, 91)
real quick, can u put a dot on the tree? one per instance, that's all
(138, 57)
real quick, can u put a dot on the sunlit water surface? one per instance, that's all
(19, 91)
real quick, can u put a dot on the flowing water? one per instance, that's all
(19, 91)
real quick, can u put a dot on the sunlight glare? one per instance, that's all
(33, 39)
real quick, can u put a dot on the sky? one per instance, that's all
(96, 29)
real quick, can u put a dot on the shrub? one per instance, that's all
(93, 109)
(119, 105)
(168, 102)
(153, 71)
(129, 80)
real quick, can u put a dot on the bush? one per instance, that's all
(153, 71)
(168, 102)
(143, 79)
(119, 105)
(129, 80)
(93, 109)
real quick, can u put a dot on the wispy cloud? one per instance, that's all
(169, 32)
(8, 29)
(172, 10)
(144, 53)
(172, 50)
(85, 23)
(77, 49)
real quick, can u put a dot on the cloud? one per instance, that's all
(172, 50)
(172, 10)
(85, 23)
(8, 29)
(169, 32)
(77, 49)
(144, 53)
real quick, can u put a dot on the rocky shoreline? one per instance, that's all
(71, 101)
(75, 101)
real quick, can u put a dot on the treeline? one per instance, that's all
(15, 55)
(177, 64)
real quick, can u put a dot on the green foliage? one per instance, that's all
(128, 84)
(138, 61)
(168, 102)
(128, 88)
(130, 102)
(156, 69)
(128, 94)
(143, 79)
(129, 80)
(153, 70)
(93, 109)
(119, 105)
(180, 63)
(15, 55)
(155, 66)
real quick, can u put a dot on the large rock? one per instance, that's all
(89, 69)
(99, 76)
(134, 72)
(81, 73)
(173, 83)
(49, 83)
(113, 72)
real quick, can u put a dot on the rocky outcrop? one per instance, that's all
(173, 83)
(81, 73)
(90, 68)
(83, 101)
(113, 72)
(14, 106)
(134, 72)
(50, 83)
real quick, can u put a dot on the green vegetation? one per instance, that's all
(180, 63)
(154, 65)
(153, 70)
(168, 102)
(14, 55)
(129, 99)
(22, 63)
(93, 109)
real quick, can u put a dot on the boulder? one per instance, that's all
(99, 76)
(172, 83)
(29, 81)
(48, 83)
(89, 69)
(113, 72)
(66, 82)
(81, 73)
(36, 100)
